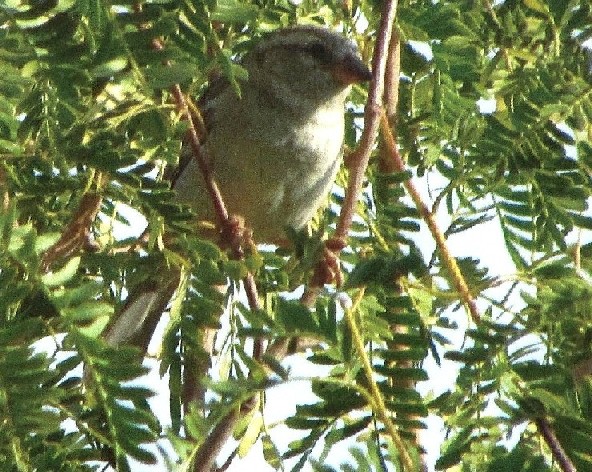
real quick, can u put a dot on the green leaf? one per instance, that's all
(339, 434)
(234, 11)
(270, 452)
(164, 76)
(296, 318)
(110, 68)
(63, 275)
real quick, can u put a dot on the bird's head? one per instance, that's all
(310, 62)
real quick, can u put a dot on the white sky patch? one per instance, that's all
(423, 48)
(486, 106)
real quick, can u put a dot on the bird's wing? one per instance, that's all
(203, 118)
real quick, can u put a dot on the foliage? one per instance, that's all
(86, 111)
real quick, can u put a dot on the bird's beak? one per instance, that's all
(351, 71)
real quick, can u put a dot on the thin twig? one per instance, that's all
(197, 150)
(371, 121)
(207, 453)
(392, 79)
(76, 235)
(449, 261)
(378, 401)
(222, 215)
(361, 156)
(557, 451)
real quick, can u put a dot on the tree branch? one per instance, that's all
(557, 451)
(77, 234)
(205, 456)
(371, 121)
(447, 258)
(209, 450)
(360, 157)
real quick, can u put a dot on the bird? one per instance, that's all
(273, 148)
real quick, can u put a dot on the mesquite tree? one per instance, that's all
(95, 99)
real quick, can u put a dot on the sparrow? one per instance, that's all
(273, 149)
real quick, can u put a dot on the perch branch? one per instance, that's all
(360, 158)
(198, 153)
(371, 121)
(209, 450)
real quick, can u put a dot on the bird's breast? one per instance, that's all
(273, 171)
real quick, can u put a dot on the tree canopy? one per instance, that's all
(94, 103)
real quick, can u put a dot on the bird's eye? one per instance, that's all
(320, 52)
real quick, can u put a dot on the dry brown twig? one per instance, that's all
(77, 234)
(358, 161)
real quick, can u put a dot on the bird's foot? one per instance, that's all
(327, 269)
(236, 236)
